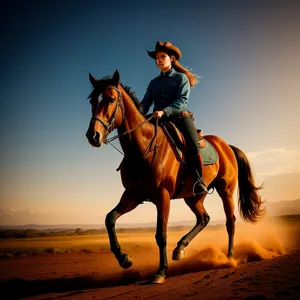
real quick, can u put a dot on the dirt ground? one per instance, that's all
(266, 266)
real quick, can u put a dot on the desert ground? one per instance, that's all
(266, 266)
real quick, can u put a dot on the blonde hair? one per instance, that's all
(193, 78)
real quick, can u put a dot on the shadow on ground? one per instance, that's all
(20, 288)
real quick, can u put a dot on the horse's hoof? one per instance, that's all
(127, 262)
(158, 279)
(230, 255)
(178, 254)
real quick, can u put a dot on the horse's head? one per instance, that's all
(107, 108)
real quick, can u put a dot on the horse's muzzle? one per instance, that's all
(93, 138)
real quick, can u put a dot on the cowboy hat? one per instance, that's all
(165, 47)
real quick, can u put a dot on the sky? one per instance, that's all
(247, 53)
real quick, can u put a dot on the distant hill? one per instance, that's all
(291, 207)
(59, 227)
(274, 209)
(65, 227)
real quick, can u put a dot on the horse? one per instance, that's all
(151, 171)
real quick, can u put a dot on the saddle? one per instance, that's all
(177, 141)
(172, 132)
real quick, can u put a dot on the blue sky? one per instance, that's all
(247, 53)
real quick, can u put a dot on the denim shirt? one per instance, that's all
(169, 91)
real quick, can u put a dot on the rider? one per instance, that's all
(170, 94)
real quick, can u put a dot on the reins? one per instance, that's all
(129, 131)
(153, 140)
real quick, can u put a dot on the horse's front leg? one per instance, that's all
(127, 203)
(163, 210)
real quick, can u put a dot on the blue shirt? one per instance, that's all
(169, 92)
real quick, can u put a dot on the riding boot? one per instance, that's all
(199, 186)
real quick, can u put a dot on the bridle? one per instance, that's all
(110, 126)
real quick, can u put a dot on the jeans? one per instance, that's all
(187, 127)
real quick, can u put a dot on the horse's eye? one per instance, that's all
(112, 100)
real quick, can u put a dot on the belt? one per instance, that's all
(183, 114)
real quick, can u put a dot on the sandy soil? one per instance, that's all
(266, 266)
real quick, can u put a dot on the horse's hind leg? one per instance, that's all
(227, 197)
(196, 205)
(127, 203)
(230, 224)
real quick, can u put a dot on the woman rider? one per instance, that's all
(170, 94)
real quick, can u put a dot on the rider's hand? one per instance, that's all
(158, 114)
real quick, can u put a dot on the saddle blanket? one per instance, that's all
(209, 154)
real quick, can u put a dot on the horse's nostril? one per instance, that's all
(96, 136)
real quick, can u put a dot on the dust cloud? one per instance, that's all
(264, 240)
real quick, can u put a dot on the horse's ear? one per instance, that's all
(116, 78)
(93, 80)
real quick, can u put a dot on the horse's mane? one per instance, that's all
(106, 81)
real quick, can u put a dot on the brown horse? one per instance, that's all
(150, 171)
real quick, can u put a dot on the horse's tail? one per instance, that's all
(250, 204)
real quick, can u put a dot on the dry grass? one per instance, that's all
(265, 234)
(88, 244)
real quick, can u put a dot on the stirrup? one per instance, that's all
(199, 187)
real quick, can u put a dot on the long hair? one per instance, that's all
(193, 78)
